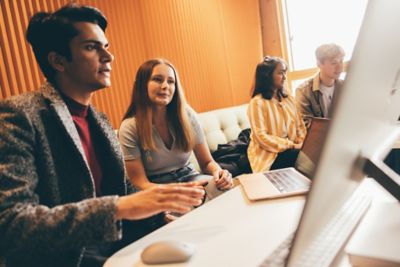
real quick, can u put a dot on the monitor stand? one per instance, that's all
(383, 174)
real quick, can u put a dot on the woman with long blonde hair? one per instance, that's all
(160, 130)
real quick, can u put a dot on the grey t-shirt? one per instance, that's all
(158, 161)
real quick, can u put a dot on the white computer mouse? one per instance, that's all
(170, 251)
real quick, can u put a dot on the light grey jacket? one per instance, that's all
(48, 209)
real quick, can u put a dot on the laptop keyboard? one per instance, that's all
(287, 181)
(322, 251)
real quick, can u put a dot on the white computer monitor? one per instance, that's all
(363, 124)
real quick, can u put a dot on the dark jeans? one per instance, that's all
(285, 159)
(184, 174)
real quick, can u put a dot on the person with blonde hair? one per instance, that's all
(159, 131)
(315, 95)
(277, 129)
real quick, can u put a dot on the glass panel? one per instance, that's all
(311, 23)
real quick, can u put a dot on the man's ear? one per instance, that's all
(56, 61)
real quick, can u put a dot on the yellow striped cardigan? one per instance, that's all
(275, 127)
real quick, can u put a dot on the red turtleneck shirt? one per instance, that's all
(79, 114)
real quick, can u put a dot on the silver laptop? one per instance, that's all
(289, 181)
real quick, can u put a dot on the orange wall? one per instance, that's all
(215, 45)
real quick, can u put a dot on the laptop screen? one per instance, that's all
(310, 152)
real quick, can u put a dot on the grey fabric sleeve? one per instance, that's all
(129, 140)
(198, 131)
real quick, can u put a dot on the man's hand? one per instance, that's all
(176, 197)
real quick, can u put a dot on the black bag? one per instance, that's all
(233, 155)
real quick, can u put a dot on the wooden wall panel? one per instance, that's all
(241, 28)
(190, 36)
(272, 27)
(125, 35)
(215, 45)
(19, 71)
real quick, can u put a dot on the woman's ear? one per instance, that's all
(56, 61)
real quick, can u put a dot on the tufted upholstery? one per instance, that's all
(222, 125)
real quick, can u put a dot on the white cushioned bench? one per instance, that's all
(222, 125)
